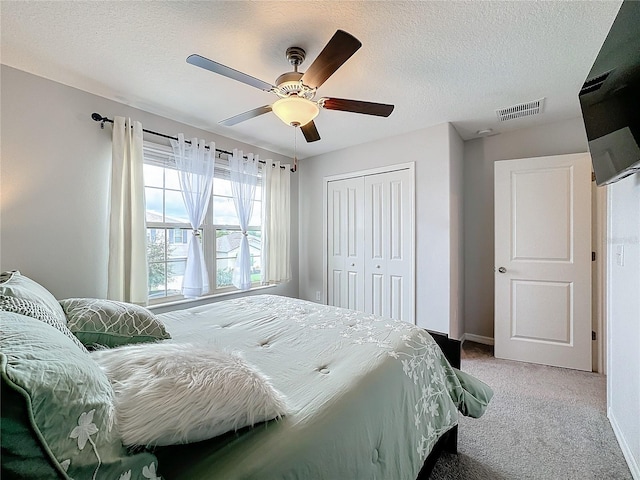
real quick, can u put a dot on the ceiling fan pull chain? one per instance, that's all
(295, 149)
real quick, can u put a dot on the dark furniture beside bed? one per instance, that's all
(451, 348)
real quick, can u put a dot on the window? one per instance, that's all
(177, 235)
(168, 228)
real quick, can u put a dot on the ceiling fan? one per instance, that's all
(296, 90)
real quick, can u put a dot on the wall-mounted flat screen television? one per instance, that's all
(610, 99)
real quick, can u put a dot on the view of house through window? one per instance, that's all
(169, 230)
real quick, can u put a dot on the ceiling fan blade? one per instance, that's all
(310, 132)
(225, 71)
(357, 106)
(246, 116)
(341, 46)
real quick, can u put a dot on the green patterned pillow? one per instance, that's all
(98, 322)
(14, 284)
(57, 409)
(34, 310)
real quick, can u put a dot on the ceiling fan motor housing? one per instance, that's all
(289, 84)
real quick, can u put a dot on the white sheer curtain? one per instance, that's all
(276, 224)
(244, 177)
(127, 268)
(195, 166)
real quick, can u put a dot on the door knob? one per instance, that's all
(502, 270)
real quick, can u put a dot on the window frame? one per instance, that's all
(162, 156)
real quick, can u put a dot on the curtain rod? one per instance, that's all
(99, 118)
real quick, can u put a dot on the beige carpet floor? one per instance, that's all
(543, 423)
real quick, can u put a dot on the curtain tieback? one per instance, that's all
(245, 233)
(196, 233)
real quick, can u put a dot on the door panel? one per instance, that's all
(376, 218)
(376, 304)
(336, 223)
(543, 260)
(397, 228)
(395, 296)
(388, 212)
(354, 213)
(345, 243)
(547, 322)
(335, 288)
(536, 213)
(352, 290)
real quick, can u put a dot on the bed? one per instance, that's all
(370, 397)
(367, 397)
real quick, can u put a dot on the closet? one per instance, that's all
(370, 242)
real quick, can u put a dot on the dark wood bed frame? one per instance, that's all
(449, 441)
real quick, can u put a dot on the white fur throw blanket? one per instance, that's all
(169, 393)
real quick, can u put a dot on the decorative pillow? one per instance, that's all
(110, 323)
(34, 310)
(14, 284)
(60, 420)
(169, 393)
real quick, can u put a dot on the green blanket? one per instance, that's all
(369, 396)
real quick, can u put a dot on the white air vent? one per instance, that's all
(522, 110)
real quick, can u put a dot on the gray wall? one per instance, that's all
(55, 183)
(623, 301)
(456, 212)
(479, 156)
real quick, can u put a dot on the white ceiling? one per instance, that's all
(435, 61)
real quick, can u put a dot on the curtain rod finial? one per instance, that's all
(99, 118)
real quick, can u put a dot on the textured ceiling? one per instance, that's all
(436, 61)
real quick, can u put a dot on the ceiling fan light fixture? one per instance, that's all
(295, 110)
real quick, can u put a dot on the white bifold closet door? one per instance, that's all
(345, 243)
(370, 244)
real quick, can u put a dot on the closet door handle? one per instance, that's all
(502, 270)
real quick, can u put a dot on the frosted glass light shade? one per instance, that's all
(295, 110)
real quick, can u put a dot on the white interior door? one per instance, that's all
(345, 243)
(388, 212)
(543, 260)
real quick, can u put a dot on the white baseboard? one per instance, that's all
(624, 446)
(476, 338)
